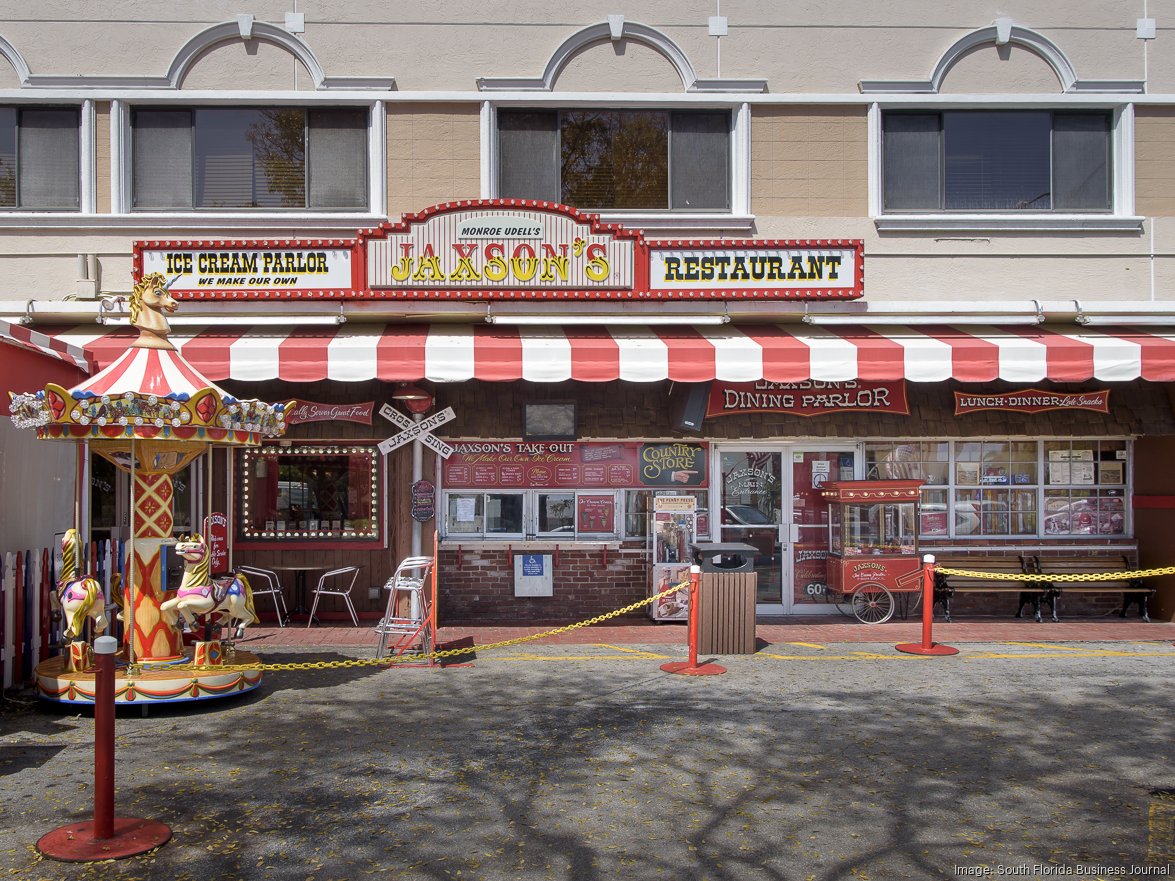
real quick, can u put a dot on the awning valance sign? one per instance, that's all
(730, 353)
(1032, 400)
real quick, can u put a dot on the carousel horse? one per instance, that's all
(230, 598)
(149, 299)
(77, 597)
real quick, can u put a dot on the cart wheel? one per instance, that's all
(872, 604)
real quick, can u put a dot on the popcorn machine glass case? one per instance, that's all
(873, 547)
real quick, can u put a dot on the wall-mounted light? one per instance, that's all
(413, 397)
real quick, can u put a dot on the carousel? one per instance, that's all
(150, 413)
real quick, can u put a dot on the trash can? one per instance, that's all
(726, 597)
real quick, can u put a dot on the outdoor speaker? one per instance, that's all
(693, 408)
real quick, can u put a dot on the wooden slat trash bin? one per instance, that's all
(726, 607)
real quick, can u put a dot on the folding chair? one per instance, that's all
(407, 610)
(265, 581)
(332, 584)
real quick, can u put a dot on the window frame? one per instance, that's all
(1120, 218)
(122, 177)
(86, 185)
(737, 217)
(1041, 487)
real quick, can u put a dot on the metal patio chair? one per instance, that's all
(265, 581)
(407, 606)
(336, 582)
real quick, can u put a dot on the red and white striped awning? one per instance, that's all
(45, 344)
(732, 353)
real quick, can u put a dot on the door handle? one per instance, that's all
(795, 533)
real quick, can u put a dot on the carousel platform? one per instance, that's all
(157, 685)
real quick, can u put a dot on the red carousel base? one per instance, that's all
(917, 648)
(75, 843)
(685, 669)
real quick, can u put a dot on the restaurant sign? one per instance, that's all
(571, 465)
(808, 398)
(310, 411)
(817, 268)
(1032, 401)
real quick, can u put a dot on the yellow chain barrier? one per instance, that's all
(1037, 576)
(392, 660)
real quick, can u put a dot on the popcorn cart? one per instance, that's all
(873, 547)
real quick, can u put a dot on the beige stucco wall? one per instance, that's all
(102, 202)
(992, 69)
(809, 161)
(602, 65)
(433, 155)
(254, 64)
(1154, 162)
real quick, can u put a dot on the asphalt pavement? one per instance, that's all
(806, 761)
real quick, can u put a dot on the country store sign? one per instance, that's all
(505, 249)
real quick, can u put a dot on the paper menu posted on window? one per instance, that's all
(465, 510)
(1071, 466)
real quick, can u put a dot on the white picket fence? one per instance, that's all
(27, 633)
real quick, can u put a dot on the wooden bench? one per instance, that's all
(1133, 590)
(1030, 589)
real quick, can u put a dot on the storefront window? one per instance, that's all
(183, 484)
(328, 492)
(472, 515)
(104, 486)
(638, 504)
(556, 513)
(1011, 487)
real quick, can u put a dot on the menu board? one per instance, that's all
(492, 464)
(595, 513)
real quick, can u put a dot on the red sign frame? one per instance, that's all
(319, 412)
(808, 398)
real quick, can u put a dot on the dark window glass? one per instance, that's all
(528, 144)
(1016, 160)
(269, 158)
(40, 158)
(616, 159)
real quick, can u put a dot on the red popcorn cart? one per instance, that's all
(873, 560)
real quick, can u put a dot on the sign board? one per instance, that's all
(216, 539)
(424, 501)
(575, 465)
(421, 431)
(595, 514)
(248, 266)
(1032, 401)
(500, 246)
(311, 411)
(533, 575)
(807, 398)
(781, 270)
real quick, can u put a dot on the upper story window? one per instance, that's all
(997, 161)
(268, 158)
(40, 158)
(617, 160)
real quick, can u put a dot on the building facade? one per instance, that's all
(727, 253)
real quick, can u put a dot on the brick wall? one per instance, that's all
(478, 585)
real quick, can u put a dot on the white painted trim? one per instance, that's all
(120, 159)
(583, 99)
(222, 222)
(1026, 38)
(13, 56)
(740, 164)
(603, 32)
(488, 151)
(377, 158)
(87, 159)
(874, 169)
(1122, 155)
(953, 223)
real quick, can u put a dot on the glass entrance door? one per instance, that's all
(810, 470)
(751, 511)
(770, 498)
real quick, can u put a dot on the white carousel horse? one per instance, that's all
(77, 596)
(231, 598)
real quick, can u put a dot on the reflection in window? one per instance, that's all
(310, 492)
(250, 158)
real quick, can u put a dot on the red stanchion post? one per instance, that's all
(105, 837)
(692, 667)
(928, 646)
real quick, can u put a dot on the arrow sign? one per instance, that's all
(421, 431)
